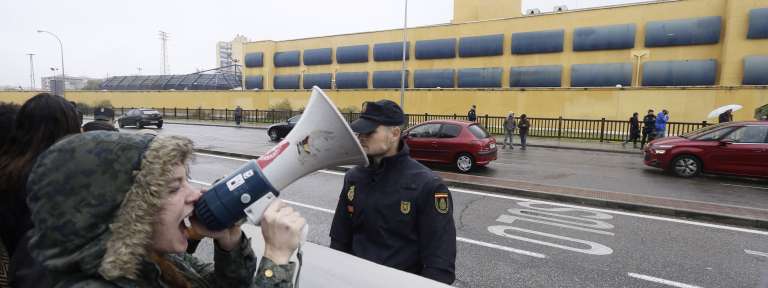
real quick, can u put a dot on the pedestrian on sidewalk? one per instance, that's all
(661, 124)
(634, 131)
(726, 116)
(472, 114)
(649, 127)
(238, 115)
(524, 125)
(509, 131)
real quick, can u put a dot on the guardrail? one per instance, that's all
(587, 129)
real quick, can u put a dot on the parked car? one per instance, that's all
(463, 144)
(280, 130)
(141, 118)
(736, 148)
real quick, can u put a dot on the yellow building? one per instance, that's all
(687, 56)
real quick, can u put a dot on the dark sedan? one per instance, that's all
(280, 130)
(141, 118)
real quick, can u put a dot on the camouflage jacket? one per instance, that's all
(94, 197)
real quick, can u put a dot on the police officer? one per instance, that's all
(103, 119)
(395, 212)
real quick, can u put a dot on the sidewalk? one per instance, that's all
(572, 144)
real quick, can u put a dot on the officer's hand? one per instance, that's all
(281, 227)
(227, 239)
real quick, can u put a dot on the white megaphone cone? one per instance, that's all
(321, 139)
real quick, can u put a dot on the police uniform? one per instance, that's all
(398, 214)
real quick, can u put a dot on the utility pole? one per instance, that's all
(405, 47)
(31, 72)
(164, 52)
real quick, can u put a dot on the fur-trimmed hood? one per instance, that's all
(94, 198)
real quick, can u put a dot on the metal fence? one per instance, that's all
(587, 129)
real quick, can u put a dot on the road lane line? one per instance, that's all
(756, 253)
(745, 186)
(461, 239)
(662, 281)
(222, 157)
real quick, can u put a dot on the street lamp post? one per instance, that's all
(402, 72)
(61, 47)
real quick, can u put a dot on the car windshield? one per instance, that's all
(149, 112)
(478, 131)
(701, 131)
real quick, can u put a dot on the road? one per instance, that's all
(517, 242)
(572, 168)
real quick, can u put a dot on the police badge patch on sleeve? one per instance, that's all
(442, 202)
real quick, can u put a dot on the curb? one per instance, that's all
(449, 178)
(516, 145)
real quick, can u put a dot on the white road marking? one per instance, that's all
(756, 253)
(745, 186)
(466, 191)
(662, 281)
(466, 240)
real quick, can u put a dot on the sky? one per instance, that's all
(107, 38)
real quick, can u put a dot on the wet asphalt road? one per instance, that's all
(582, 169)
(517, 242)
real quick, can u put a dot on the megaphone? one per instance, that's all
(321, 139)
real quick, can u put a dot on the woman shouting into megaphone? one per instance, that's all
(114, 209)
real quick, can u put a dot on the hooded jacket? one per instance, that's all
(94, 198)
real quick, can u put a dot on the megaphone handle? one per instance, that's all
(255, 211)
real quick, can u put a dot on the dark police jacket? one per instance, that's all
(399, 215)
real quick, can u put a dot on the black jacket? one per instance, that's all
(472, 115)
(524, 125)
(649, 124)
(399, 215)
(634, 127)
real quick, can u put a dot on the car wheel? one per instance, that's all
(273, 135)
(159, 126)
(686, 166)
(465, 163)
(139, 125)
(120, 124)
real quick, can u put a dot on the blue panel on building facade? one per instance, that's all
(320, 56)
(758, 24)
(254, 59)
(476, 46)
(287, 81)
(755, 70)
(679, 73)
(696, 31)
(322, 80)
(352, 80)
(352, 54)
(480, 78)
(388, 79)
(436, 49)
(287, 59)
(601, 75)
(442, 78)
(392, 51)
(604, 38)
(536, 76)
(254, 82)
(538, 42)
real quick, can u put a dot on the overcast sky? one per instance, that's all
(115, 38)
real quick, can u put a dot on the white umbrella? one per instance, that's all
(721, 110)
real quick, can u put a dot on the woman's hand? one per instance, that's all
(227, 239)
(281, 227)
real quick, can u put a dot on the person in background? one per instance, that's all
(524, 125)
(238, 115)
(634, 131)
(42, 121)
(661, 124)
(649, 128)
(726, 116)
(133, 204)
(472, 114)
(509, 130)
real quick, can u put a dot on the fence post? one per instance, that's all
(226, 115)
(560, 127)
(174, 113)
(454, 116)
(187, 113)
(602, 130)
(486, 121)
(163, 112)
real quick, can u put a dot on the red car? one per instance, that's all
(739, 148)
(463, 144)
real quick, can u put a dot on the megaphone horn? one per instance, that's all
(321, 139)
